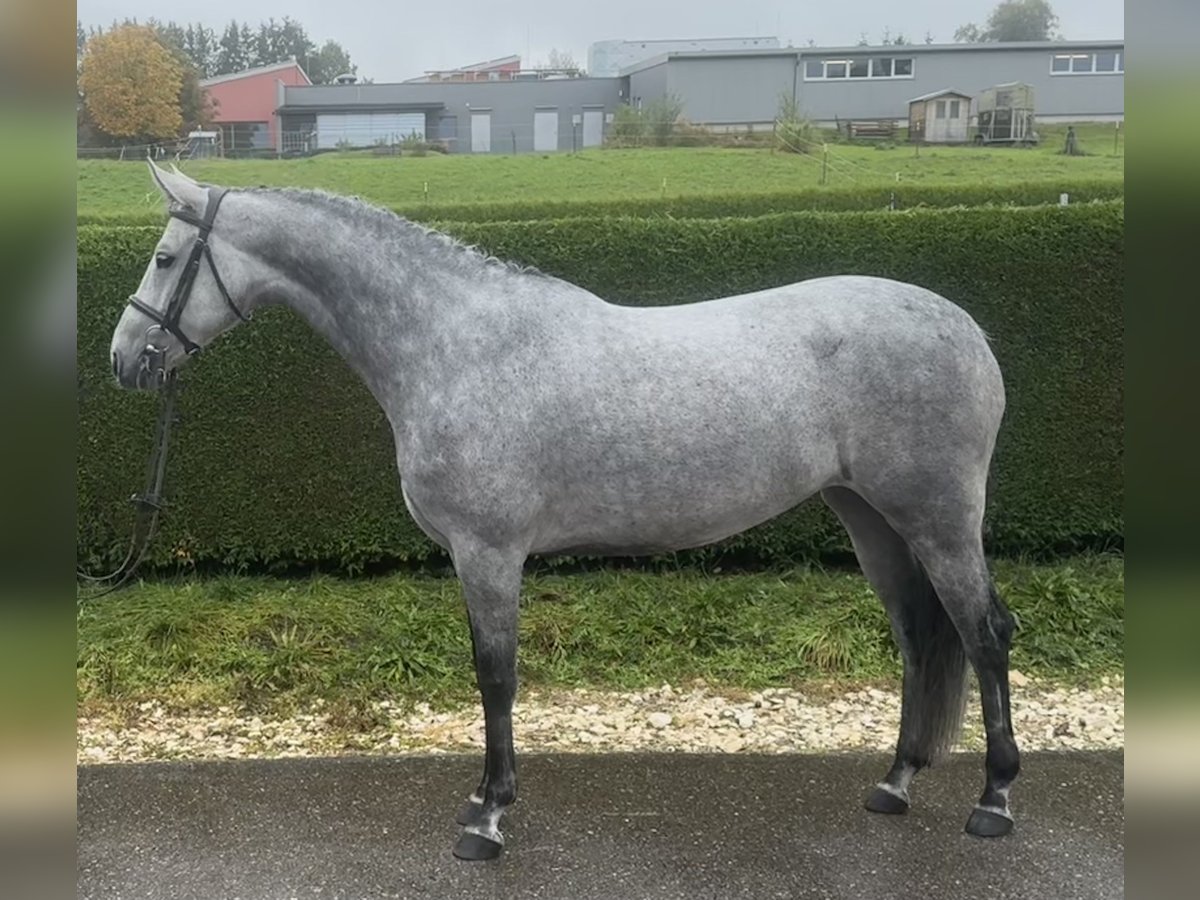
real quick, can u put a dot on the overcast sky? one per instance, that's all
(391, 40)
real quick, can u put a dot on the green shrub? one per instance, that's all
(282, 457)
(793, 132)
(719, 206)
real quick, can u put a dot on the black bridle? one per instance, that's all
(168, 320)
(149, 504)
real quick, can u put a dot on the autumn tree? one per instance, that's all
(1013, 20)
(131, 84)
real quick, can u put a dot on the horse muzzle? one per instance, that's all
(149, 371)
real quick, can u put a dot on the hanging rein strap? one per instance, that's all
(169, 320)
(148, 505)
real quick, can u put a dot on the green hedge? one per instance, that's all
(282, 457)
(717, 206)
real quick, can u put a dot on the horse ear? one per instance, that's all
(182, 174)
(178, 189)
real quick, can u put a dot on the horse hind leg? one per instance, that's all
(958, 571)
(934, 688)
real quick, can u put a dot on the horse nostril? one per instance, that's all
(116, 365)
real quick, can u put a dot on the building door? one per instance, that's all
(593, 127)
(956, 122)
(545, 130)
(481, 132)
(447, 131)
(937, 125)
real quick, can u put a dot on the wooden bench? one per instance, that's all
(871, 130)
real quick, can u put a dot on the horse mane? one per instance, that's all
(371, 215)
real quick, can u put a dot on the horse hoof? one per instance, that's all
(470, 814)
(986, 823)
(472, 846)
(884, 801)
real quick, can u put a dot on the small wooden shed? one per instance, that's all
(940, 117)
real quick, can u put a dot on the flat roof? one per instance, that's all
(893, 49)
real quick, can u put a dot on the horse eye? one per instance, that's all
(163, 260)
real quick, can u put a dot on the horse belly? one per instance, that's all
(662, 508)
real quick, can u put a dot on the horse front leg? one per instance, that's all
(491, 582)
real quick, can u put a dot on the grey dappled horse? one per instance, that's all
(530, 416)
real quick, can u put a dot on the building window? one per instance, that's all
(244, 137)
(940, 112)
(954, 109)
(860, 68)
(1104, 62)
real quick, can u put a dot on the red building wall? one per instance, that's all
(253, 96)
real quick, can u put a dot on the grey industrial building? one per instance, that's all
(721, 89)
(1071, 80)
(479, 117)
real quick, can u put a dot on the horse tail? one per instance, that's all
(935, 677)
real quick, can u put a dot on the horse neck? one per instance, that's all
(391, 298)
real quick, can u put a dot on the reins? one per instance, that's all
(148, 504)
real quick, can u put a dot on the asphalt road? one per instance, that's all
(617, 826)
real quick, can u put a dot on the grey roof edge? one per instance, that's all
(257, 70)
(943, 92)
(381, 106)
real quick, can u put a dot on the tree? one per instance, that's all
(560, 59)
(293, 41)
(1014, 20)
(231, 53)
(328, 63)
(131, 84)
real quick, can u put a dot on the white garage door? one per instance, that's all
(365, 129)
(481, 132)
(593, 127)
(545, 130)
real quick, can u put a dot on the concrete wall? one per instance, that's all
(449, 107)
(731, 90)
(646, 84)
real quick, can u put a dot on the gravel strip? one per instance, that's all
(697, 719)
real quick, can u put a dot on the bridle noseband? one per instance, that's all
(168, 321)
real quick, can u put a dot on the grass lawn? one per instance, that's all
(111, 188)
(271, 645)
